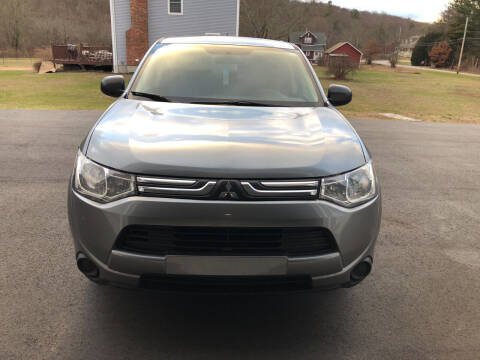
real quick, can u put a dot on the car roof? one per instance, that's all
(228, 40)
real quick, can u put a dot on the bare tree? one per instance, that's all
(371, 49)
(393, 58)
(273, 19)
(340, 66)
(13, 20)
(34, 24)
(276, 18)
(28, 27)
(393, 50)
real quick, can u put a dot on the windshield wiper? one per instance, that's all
(151, 96)
(155, 97)
(234, 103)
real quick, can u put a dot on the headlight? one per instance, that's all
(99, 183)
(350, 189)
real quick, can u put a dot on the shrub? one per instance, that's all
(371, 49)
(36, 66)
(393, 58)
(423, 47)
(340, 66)
(419, 57)
(440, 54)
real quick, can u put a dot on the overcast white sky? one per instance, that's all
(420, 10)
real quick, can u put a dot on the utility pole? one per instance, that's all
(463, 44)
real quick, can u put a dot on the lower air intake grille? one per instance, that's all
(177, 283)
(160, 240)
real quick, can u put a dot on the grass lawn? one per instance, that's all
(59, 91)
(423, 95)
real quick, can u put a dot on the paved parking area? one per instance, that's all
(421, 302)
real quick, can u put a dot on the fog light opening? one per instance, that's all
(361, 270)
(87, 266)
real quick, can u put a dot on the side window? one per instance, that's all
(175, 7)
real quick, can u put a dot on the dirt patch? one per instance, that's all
(398, 70)
(16, 68)
(460, 91)
(405, 71)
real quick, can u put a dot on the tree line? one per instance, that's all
(26, 25)
(274, 19)
(29, 25)
(441, 46)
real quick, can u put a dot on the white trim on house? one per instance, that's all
(309, 32)
(238, 17)
(175, 13)
(114, 36)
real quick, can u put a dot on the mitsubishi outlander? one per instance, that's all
(224, 166)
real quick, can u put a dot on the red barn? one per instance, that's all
(345, 48)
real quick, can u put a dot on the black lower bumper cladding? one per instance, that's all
(205, 284)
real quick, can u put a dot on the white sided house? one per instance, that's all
(137, 24)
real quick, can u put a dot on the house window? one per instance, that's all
(175, 7)
(308, 40)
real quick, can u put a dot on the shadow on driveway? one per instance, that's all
(147, 324)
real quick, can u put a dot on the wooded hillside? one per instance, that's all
(276, 18)
(30, 24)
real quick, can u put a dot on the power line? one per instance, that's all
(452, 41)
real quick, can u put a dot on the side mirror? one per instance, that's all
(113, 86)
(339, 95)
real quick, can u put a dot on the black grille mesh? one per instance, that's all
(160, 240)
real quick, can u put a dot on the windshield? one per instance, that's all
(230, 74)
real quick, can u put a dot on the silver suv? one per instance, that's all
(224, 166)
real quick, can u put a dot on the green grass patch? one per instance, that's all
(424, 95)
(58, 91)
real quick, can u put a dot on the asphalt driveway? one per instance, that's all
(421, 302)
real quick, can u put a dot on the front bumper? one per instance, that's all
(95, 228)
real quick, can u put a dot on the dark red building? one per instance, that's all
(312, 43)
(345, 48)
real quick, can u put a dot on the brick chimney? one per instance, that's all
(137, 35)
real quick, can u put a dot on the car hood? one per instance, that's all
(211, 141)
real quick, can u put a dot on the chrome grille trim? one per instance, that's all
(253, 191)
(228, 189)
(290, 183)
(203, 190)
(161, 181)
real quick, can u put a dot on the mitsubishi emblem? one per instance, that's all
(228, 193)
